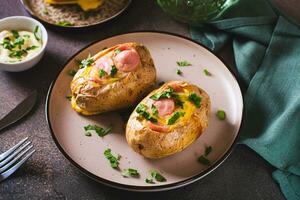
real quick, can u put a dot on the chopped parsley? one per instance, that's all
(17, 54)
(175, 117)
(149, 180)
(69, 97)
(130, 172)
(195, 99)
(206, 72)
(35, 32)
(113, 71)
(221, 115)
(7, 44)
(117, 51)
(72, 72)
(154, 110)
(86, 62)
(203, 160)
(101, 132)
(15, 33)
(114, 161)
(64, 23)
(142, 111)
(31, 48)
(157, 176)
(207, 150)
(165, 94)
(102, 73)
(88, 134)
(178, 72)
(183, 63)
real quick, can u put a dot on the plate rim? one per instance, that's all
(31, 13)
(132, 187)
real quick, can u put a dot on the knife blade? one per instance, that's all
(19, 111)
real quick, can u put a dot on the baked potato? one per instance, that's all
(168, 120)
(115, 78)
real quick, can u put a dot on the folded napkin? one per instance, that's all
(267, 55)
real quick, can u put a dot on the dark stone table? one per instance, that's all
(48, 175)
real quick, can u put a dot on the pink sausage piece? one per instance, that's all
(165, 106)
(158, 127)
(127, 60)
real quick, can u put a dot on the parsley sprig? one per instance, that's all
(155, 175)
(114, 161)
(142, 111)
(130, 172)
(86, 62)
(101, 132)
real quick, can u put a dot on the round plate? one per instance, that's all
(180, 169)
(54, 15)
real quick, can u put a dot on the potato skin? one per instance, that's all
(89, 98)
(153, 144)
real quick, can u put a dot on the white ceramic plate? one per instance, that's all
(180, 169)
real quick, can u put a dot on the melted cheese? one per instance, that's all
(84, 4)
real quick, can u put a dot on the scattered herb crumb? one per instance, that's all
(114, 161)
(72, 72)
(64, 23)
(88, 134)
(69, 97)
(129, 172)
(207, 150)
(179, 72)
(85, 62)
(203, 160)
(183, 63)
(206, 72)
(157, 176)
(101, 132)
(221, 115)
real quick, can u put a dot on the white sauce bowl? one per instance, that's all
(22, 23)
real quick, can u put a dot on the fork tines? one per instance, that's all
(14, 158)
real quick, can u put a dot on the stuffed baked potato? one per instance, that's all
(168, 119)
(114, 78)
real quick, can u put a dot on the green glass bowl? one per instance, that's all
(196, 12)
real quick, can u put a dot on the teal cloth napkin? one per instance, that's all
(267, 55)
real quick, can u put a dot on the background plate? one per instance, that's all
(180, 169)
(52, 14)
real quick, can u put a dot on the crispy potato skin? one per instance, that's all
(153, 144)
(89, 98)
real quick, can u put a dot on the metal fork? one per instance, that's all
(14, 158)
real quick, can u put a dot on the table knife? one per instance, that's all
(19, 111)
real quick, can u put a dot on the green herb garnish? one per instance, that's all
(203, 160)
(88, 134)
(183, 63)
(207, 150)
(31, 48)
(15, 33)
(114, 163)
(157, 176)
(17, 54)
(206, 72)
(154, 110)
(195, 99)
(113, 71)
(178, 72)
(130, 172)
(86, 62)
(175, 117)
(102, 73)
(221, 114)
(72, 72)
(101, 132)
(35, 32)
(165, 94)
(69, 98)
(142, 111)
(64, 23)
(19, 42)
(117, 51)
(149, 180)
(7, 44)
